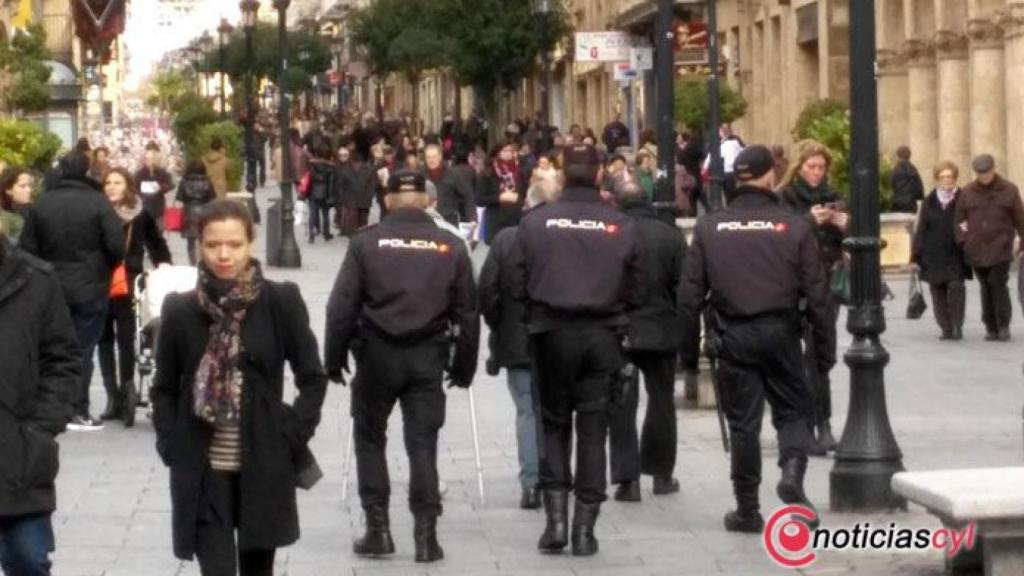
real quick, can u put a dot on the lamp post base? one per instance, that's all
(857, 486)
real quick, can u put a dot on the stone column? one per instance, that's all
(954, 100)
(988, 90)
(1012, 22)
(893, 103)
(923, 103)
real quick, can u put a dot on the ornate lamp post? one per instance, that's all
(716, 167)
(249, 10)
(868, 455)
(223, 33)
(195, 53)
(205, 46)
(542, 10)
(288, 255)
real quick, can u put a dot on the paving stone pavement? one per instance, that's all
(952, 405)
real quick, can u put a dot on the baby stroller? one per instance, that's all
(151, 289)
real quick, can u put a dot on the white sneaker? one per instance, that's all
(84, 424)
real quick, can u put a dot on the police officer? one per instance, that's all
(404, 297)
(654, 339)
(752, 263)
(580, 274)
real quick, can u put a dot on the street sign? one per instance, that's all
(606, 46)
(641, 58)
(624, 72)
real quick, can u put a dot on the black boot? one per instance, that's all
(129, 400)
(628, 491)
(583, 519)
(556, 533)
(791, 486)
(424, 534)
(113, 409)
(530, 499)
(747, 516)
(665, 485)
(377, 540)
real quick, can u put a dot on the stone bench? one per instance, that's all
(992, 498)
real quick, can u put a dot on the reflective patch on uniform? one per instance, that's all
(413, 244)
(753, 226)
(585, 225)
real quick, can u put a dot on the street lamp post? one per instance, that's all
(223, 33)
(288, 255)
(868, 455)
(542, 9)
(205, 46)
(249, 10)
(195, 53)
(715, 167)
(664, 68)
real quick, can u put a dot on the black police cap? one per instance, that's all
(753, 162)
(407, 181)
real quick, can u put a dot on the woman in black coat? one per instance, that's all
(322, 193)
(236, 451)
(501, 189)
(194, 192)
(141, 235)
(937, 256)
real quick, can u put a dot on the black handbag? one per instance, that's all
(916, 305)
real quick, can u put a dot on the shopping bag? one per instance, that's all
(173, 219)
(917, 305)
(119, 282)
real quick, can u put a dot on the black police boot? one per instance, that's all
(791, 486)
(556, 533)
(628, 491)
(377, 540)
(424, 534)
(583, 519)
(129, 401)
(747, 516)
(530, 499)
(665, 485)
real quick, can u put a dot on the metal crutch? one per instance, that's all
(348, 461)
(476, 446)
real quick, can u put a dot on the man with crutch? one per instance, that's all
(405, 293)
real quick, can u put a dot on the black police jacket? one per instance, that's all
(503, 312)
(656, 325)
(757, 258)
(405, 279)
(582, 262)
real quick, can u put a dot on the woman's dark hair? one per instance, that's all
(216, 143)
(323, 151)
(131, 195)
(8, 179)
(83, 145)
(195, 168)
(222, 210)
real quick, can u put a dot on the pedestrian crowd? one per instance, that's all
(588, 288)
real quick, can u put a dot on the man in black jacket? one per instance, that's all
(654, 338)
(580, 275)
(74, 228)
(752, 263)
(907, 187)
(455, 200)
(403, 299)
(41, 366)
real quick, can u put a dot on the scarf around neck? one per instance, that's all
(813, 195)
(506, 172)
(126, 213)
(217, 390)
(946, 197)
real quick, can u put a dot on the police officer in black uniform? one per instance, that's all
(654, 339)
(751, 264)
(405, 304)
(580, 274)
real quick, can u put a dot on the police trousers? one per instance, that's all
(410, 375)
(574, 369)
(654, 451)
(761, 359)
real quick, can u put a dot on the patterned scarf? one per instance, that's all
(217, 391)
(946, 196)
(507, 171)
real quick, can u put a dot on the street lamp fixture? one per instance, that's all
(195, 53)
(224, 32)
(288, 253)
(249, 11)
(205, 45)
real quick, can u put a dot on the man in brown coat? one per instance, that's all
(988, 217)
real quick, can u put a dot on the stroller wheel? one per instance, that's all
(130, 399)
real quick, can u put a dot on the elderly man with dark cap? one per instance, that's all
(404, 297)
(989, 217)
(74, 227)
(752, 264)
(580, 276)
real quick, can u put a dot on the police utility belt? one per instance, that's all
(435, 330)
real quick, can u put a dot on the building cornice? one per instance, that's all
(919, 53)
(984, 33)
(951, 45)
